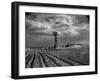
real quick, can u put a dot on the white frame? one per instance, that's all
(69, 69)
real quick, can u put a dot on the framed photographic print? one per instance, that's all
(50, 40)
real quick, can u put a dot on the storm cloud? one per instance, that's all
(40, 28)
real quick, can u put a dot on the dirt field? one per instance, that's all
(39, 58)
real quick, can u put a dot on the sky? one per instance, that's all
(71, 28)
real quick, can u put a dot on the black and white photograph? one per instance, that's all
(50, 40)
(56, 40)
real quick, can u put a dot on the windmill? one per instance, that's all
(55, 36)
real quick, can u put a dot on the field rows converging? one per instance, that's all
(43, 58)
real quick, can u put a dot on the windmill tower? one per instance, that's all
(55, 42)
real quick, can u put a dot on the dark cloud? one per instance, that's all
(79, 19)
(40, 28)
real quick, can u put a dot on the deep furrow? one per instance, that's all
(69, 61)
(32, 62)
(27, 59)
(77, 60)
(41, 62)
(48, 61)
(56, 60)
(26, 54)
(35, 64)
(44, 60)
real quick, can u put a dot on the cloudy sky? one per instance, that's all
(71, 28)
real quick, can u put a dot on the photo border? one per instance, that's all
(15, 39)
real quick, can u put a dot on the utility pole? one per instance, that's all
(55, 36)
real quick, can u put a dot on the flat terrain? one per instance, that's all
(39, 58)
